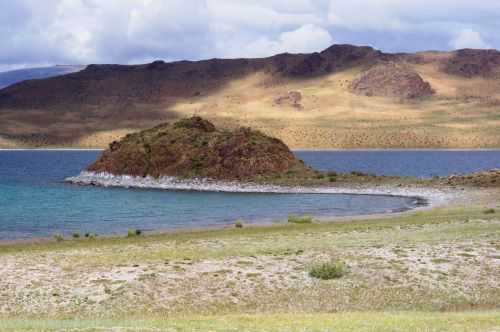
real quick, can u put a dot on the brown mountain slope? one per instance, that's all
(304, 99)
(472, 63)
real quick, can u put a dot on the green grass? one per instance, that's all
(300, 219)
(59, 237)
(328, 270)
(481, 321)
(134, 232)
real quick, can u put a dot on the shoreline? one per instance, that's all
(424, 198)
(261, 223)
(433, 196)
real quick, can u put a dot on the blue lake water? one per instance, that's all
(35, 201)
(421, 163)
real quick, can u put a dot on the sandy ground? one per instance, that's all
(442, 275)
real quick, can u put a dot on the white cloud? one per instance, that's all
(130, 31)
(271, 15)
(400, 15)
(307, 38)
(468, 38)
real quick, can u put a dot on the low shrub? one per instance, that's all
(328, 270)
(238, 223)
(76, 235)
(134, 232)
(489, 211)
(59, 237)
(300, 220)
(332, 174)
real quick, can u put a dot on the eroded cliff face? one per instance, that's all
(194, 148)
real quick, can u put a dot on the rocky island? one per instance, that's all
(194, 148)
(193, 154)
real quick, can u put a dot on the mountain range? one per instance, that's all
(14, 76)
(342, 97)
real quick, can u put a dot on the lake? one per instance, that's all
(36, 202)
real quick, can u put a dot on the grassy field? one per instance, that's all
(422, 271)
(487, 321)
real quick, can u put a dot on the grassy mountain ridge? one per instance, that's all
(421, 100)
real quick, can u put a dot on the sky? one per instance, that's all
(48, 32)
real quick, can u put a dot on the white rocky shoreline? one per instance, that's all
(424, 196)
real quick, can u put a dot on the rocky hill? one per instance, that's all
(342, 97)
(389, 79)
(194, 148)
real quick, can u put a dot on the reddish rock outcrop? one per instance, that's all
(291, 98)
(389, 79)
(194, 148)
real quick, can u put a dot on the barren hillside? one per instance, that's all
(342, 97)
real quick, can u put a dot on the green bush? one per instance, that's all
(328, 270)
(238, 223)
(300, 220)
(59, 237)
(76, 235)
(332, 174)
(489, 211)
(90, 236)
(134, 232)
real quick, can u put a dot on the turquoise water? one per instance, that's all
(36, 202)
